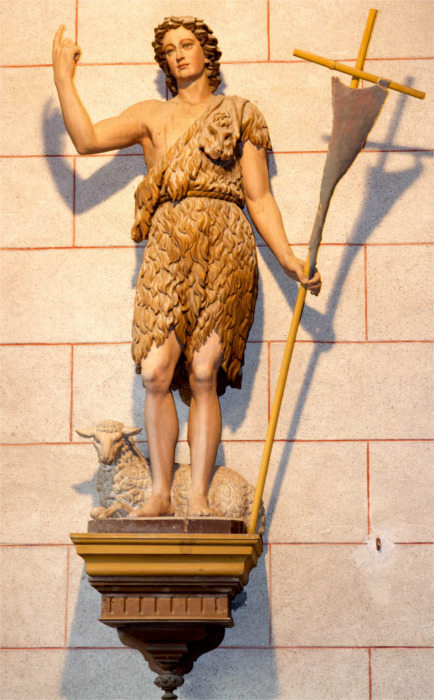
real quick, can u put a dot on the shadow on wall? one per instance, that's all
(374, 208)
(98, 667)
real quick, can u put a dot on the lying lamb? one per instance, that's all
(124, 482)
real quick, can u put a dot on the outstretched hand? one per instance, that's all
(294, 268)
(66, 53)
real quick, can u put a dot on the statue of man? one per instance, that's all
(196, 290)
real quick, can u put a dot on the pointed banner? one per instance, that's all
(354, 114)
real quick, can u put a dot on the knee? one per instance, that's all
(203, 377)
(156, 378)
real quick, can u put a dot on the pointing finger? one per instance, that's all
(58, 35)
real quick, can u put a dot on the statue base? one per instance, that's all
(167, 584)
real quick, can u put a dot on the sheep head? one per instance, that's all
(108, 437)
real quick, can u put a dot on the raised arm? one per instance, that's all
(118, 132)
(266, 216)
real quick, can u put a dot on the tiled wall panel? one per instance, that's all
(340, 605)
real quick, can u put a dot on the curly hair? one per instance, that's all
(206, 39)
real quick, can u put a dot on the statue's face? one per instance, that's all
(184, 55)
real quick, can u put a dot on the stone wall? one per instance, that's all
(326, 614)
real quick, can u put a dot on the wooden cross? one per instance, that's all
(358, 74)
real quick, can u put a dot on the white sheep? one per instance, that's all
(124, 481)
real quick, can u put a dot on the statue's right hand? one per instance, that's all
(66, 53)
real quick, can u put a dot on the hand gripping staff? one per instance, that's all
(354, 114)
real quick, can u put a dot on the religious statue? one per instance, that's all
(197, 287)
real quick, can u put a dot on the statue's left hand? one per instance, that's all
(294, 268)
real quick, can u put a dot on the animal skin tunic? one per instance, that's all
(199, 269)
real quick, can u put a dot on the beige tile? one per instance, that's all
(355, 391)
(29, 674)
(402, 491)
(48, 221)
(105, 199)
(33, 131)
(336, 30)
(337, 314)
(352, 595)
(295, 183)
(79, 674)
(338, 674)
(106, 386)
(403, 120)
(84, 609)
(35, 394)
(317, 493)
(33, 596)
(401, 674)
(122, 41)
(373, 203)
(244, 457)
(399, 308)
(69, 295)
(57, 484)
(100, 371)
(305, 674)
(384, 198)
(182, 453)
(29, 27)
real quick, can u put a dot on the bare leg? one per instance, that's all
(161, 422)
(204, 423)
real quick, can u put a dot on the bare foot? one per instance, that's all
(156, 506)
(198, 505)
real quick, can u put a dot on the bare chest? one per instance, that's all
(165, 127)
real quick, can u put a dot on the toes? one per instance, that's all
(199, 512)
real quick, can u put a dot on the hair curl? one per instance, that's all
(206, 39)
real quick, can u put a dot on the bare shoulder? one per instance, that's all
(148, 112)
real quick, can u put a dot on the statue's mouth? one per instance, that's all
(106, 462)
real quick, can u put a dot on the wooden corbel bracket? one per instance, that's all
(168, 595)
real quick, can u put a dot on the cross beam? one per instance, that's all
(357, 73)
